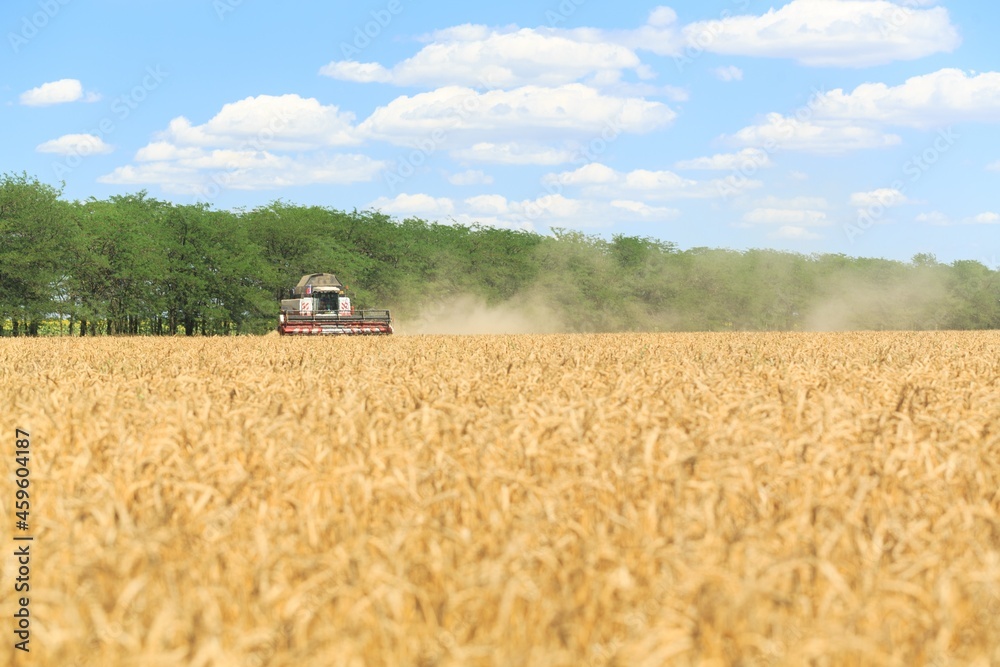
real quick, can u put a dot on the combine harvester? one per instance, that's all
(319, 306)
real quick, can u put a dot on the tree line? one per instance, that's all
(133, 264)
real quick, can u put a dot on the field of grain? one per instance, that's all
(667, 499)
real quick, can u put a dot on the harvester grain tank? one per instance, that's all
(320, 306)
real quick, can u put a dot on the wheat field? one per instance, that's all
(637, 499)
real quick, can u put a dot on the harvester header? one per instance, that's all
(320, 305)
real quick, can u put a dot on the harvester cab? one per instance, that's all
(319, 305)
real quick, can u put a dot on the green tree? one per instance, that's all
(35, 247)
(120, 264)
(974, 296)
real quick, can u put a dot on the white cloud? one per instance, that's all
(800, 202)
(418, 205)
(482, 57)
(837, 122)
(661, 17)
(588, 174)
(57, 92)
(75, 144)
(781, 216)
(644, 179)
(995, 166)
(673, 93)
(556, 210)
(747, 158)
(513, 152)
(815, 32)
(728, 73)
(457, 117)
(159, 151)
(941, 97)
(477, 56)
(258, 143)
(487, 204)
(202, 172)
(837, 33)
(940, 219)
(934, 218)
(286, 122)
(659, 35)
(599, 180)
(546, 210)
(988, 218)
(644, 210)
(794, 217)
(881, 197)
(825, 137)
(798, 175)
(794, 233)
(349, 70)
(548, 207)
(645, 89)
(470, 177)
(493, 210)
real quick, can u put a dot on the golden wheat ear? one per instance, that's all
(627, 499)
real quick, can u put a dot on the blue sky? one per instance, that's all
(864, 127)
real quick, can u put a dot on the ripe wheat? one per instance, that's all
(688, 499)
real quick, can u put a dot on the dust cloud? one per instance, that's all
(852, 305)
(472, 315)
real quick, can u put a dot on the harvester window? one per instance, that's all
(328, 302)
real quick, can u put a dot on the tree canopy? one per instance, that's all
(137, 265)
